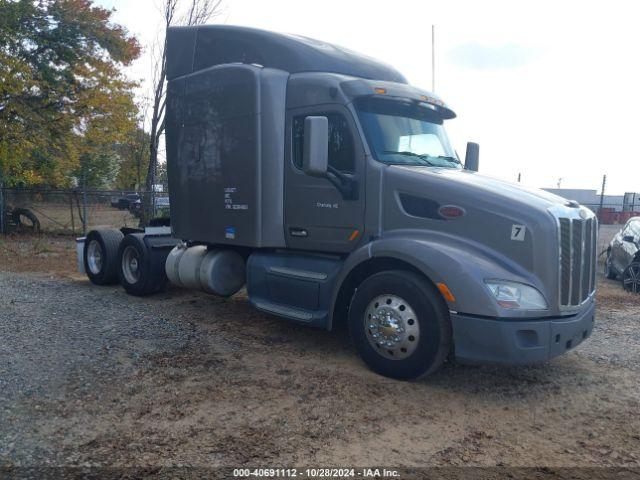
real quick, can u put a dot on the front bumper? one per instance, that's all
(484, 341)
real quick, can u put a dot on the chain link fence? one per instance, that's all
(75, 211)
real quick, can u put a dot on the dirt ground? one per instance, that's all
(92, 377)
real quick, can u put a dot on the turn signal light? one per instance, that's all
(446, 293)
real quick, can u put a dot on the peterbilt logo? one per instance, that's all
(451, 211)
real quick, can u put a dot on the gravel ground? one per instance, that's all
(92, 377)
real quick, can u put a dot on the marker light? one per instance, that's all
(433, 100)
(379, 90)
(446, 293)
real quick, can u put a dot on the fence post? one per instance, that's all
(2, 208)
(73, 222)
(84, 211)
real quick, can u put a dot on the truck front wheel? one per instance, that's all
(400, 325)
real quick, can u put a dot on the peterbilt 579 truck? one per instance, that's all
(323, 182)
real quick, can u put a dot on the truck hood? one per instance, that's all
(493, 210)
(489, 186)
(507, 231)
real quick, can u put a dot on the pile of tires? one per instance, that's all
(24, 219)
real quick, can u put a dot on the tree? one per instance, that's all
(98, 170)
(134, 161)
(175, 12)
(63, 98)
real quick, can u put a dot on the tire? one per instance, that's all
(631, 278)
(137, 273)
(421, 344)
(18, 215)
(101, 256)
(609, 272)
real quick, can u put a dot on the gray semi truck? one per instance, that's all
(323, 182)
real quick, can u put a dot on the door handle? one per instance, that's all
(298, 232)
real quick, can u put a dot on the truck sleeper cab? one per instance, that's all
(326, 184)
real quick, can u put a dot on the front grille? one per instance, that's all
(577, 260)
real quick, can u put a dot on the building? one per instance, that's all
(615, 208)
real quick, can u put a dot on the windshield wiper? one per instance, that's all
(423, 158)
(450, 159)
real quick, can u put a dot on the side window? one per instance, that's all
(635, 228)
(341, 145)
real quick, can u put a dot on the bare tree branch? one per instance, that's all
(196, 12)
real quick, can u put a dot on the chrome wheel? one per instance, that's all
(631, 278)
(131, 265)
(94, 257)
(391, 327)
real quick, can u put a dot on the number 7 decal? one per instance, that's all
(518, 233)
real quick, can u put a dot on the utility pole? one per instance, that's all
(519, 177)
(604, 185)
(433, 58)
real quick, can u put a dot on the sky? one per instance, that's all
(549, 89)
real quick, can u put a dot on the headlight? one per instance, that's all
(515, 295)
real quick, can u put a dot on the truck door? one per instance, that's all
(317, 216)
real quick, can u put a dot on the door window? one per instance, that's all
(341, 144)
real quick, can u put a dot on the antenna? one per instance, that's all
(433, 58)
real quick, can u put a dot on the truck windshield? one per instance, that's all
(405, 133)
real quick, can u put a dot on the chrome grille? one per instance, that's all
(578, 245)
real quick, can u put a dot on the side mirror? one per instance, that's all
(629, 238)
(315, 157)
(472, 157)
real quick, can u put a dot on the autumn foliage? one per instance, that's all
(67, 112)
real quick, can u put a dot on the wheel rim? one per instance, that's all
(131, 265)
(631, 280)
(391, 327)
(94, 257)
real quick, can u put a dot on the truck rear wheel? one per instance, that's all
(101, 256)
(400, 325)
(135, 271)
